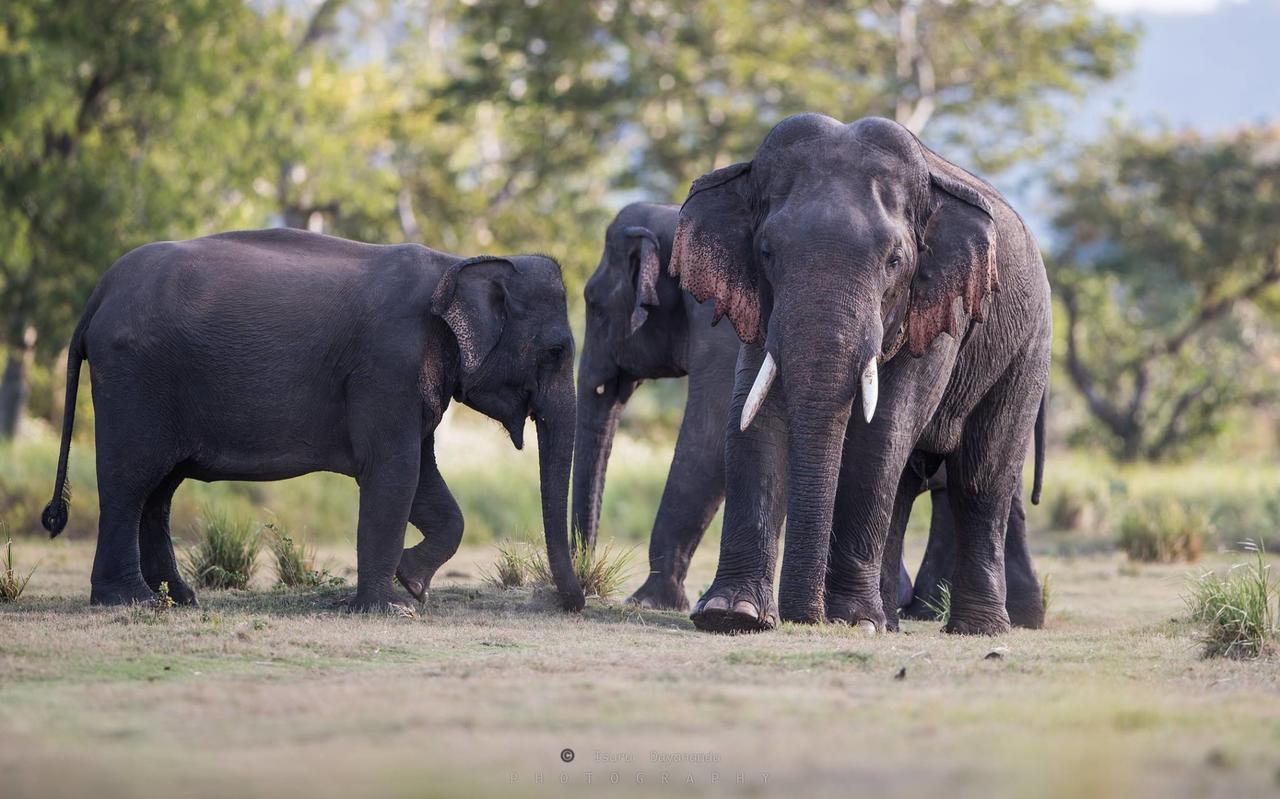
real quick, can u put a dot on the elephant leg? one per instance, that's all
(939, 554)
(1024, 602)
(896, 591)
(866, 540)
(388, 480)
(694, 489)
(156, 544)
(437, 516)
(741, 597)
(117, 564)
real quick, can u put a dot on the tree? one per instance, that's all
(119, 123)
(1167, 271)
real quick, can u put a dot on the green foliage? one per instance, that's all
(513, 566)
(1164, 530)
(12, 584)
(1241, 612)
(941, 607)
(296, 560)
(226, 554)
(1167, 268)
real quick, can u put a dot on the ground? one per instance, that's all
(270, 692)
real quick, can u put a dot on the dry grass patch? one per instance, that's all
(1164, 530)
(12, 583)
(1241, 612)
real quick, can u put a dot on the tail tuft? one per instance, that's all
(54, 517)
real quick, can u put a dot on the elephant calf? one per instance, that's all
(263, 355)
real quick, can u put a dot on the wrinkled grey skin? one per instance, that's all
(836, 245)
(263, 355)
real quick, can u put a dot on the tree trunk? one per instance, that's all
(13, 385)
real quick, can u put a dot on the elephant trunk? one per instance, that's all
(820, 391)
(555, 426)
(598, 415)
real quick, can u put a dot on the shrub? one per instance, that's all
(1085, 507)
(1164, 530)
(602, 573)
(513, 567)
(226, 554)
(295, 560)
(11, 583)
(1241, 612)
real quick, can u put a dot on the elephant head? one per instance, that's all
(515, 362)
(833, 248)
(635, 330)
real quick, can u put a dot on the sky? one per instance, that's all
(1161, 6)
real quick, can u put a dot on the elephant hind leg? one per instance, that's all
(155, 544)
(437, 516)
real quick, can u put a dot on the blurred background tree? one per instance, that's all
(1167, 267)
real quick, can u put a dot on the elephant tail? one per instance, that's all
(56, 512)
(1038, 481)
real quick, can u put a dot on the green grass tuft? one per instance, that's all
(1241, 612)
(602, 573)
(1046, 593)
(1164, 530)
(227, 553)
(941, 607)
(296, 560)
(11, 583)
(513, 567)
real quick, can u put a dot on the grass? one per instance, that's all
(941, 607)
(264, 693)
(522, 563)
(1164, 530)
(295, 561)
(226, 554)
(12, 582)
(1240, 612)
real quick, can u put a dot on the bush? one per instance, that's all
(11, 584)
(1164, 530)
(513, 567)
(1085, 507)
(295, 560)
(226, 554)
(1241, 612)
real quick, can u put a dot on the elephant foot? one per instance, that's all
(733, 609)
(919, 609)
(977, 620)
(125, 592)
(660, 592)
(867, 615)
(385, 601)
(1028, 613)
(415, 572)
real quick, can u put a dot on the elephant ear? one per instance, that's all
(713, 254)
(642, 247)
(957, 259)
(472, 299)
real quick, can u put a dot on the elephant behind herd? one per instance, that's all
(840, 254)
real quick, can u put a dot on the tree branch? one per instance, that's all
(1210, 311)
(1108, 414)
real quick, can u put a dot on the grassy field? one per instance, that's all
(270, 692)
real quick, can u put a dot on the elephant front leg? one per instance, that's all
(387, 486)
(694, 491)
(741, 599)
(437, 516)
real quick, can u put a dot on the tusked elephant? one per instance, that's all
(640, 325)
(262, 355)
(842, 254)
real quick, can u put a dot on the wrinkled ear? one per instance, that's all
(642, 246)
(472, 299)
(957, 259)
(713, 252)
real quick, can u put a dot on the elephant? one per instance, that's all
(640, 325)
(263, 355)
(841, 254)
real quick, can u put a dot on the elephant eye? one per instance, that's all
(895, 258)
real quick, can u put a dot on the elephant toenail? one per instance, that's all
(716, 603)
(746, 608)
(866, 627)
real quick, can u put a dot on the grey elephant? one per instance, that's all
(640, 325)
(855, 263)
(263, 355)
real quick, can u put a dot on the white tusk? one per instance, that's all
(600, 390)
(759, 390)
(870, 388)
